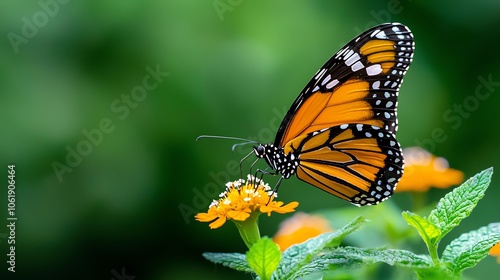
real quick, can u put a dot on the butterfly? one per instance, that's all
(339, 133)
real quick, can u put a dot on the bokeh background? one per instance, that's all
(126, 206)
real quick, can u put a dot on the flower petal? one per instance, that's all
(205, 217)
(495, 250)
(275, 206)
(218, 223)
(239, 215)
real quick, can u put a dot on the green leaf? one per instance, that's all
(471, 247)
(422, 265)
(354, 257)
(428, 231)
(458, 204)
(388, 256)
(323, 263)
(235, 261)
(306, 253)
(264, 257)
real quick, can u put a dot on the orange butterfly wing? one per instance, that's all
(358, 163)
(359, 84)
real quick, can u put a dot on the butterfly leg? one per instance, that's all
(259, 174)
(275, 190)
(263, 172)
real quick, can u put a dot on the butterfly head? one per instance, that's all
(275, 157)
(265, 152)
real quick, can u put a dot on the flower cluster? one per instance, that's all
(423, 170)
(299, 228)
(242, 199)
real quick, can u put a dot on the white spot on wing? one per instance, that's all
(352, 59)
(340, 53)
(331, 84)
(374, 69)
(348, 54)
(381, 35)
(326, 79)
(357, 66)
(320, 74)
(374, 32)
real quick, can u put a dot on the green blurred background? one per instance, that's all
(233, 68)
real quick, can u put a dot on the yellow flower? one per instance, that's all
(299, 228)
(242, 199)
(423, 170)
(495, 252)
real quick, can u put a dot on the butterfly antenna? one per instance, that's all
(241, 163)
(241, 144)
(224, 137)
(245, 141)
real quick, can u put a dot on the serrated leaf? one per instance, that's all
(299, 255)
(323, 263)
(353, 257)
(388, 256)
(235, 261)
(458, 204)
(428, 231)
(471, 247)
(264, 257)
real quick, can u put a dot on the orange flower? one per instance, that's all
(495, 252)
(299, 228)
(242, 199)
(423, 170)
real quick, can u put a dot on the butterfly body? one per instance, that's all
(339, 134)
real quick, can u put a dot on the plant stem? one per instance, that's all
(434, 254)
(249, 230)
